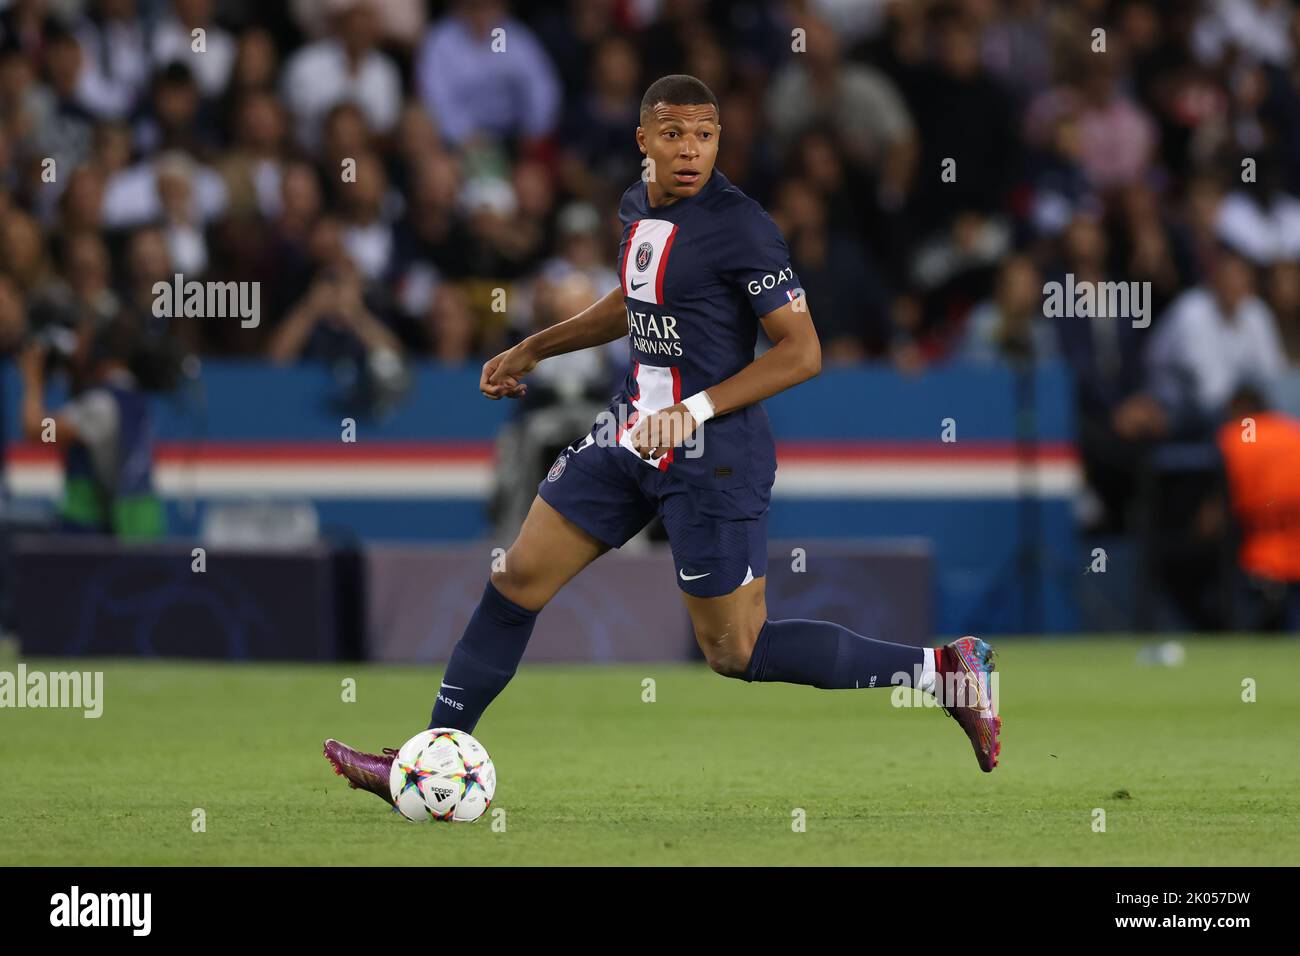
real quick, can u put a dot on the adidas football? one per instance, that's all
(442, 774)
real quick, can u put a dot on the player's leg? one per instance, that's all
(548, 552)
(719, 542)
(720, 548)
(587, 504)
(739, 641)
(581, 511)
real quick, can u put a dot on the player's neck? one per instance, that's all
(657, 197)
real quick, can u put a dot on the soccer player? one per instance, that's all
(700, 266)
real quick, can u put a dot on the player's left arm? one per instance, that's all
(795, 356)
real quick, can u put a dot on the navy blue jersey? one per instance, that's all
(696, 276)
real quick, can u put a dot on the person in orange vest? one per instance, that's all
(1261, 453)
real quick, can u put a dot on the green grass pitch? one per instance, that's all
(712, 772)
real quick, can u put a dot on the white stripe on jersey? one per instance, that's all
(643, 284)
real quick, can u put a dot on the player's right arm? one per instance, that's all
(603, 321)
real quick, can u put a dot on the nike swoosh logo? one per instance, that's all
(452, 687)
(693, 577)
(635, 286)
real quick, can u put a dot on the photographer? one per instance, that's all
(105, 432)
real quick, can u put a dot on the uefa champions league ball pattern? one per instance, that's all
(442, 774)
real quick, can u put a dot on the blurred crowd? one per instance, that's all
(386, 169)
(131, 150)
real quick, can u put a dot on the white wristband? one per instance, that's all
(700, 406)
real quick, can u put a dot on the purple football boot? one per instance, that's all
(967, 669)
(363, 771)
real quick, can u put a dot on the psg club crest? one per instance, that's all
(643, 254)
(557, 469)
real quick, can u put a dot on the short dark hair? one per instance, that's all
(679, 89)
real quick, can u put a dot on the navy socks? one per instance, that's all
(828, 656)
(483, 661)
(817, 653)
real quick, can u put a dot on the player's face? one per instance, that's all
(682, 144)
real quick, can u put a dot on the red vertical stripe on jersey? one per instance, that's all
(631, 418)
(659, 275)
(622, 266)
(677, 390)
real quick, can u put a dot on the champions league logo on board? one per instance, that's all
(643, 253)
